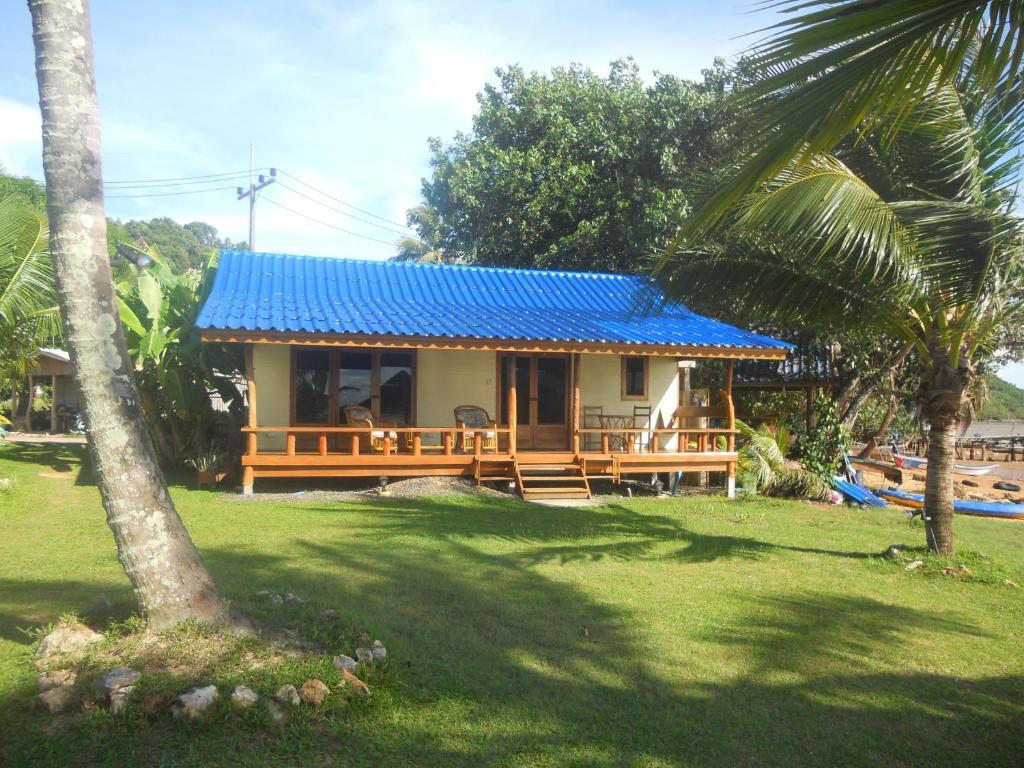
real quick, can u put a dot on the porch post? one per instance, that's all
(31, 401)
(250, 381)
(730, 411)
(53, 403)
(575, 402)
(510, 407)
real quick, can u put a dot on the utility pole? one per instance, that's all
(254, 188)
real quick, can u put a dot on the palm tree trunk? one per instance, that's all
(168, 575)
(938, 489)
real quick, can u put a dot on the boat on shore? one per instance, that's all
(961, 506)
(973, 470)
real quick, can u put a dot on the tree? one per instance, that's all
(184, 247)
(166, 571)
(574, 170)
(907, 228)
(840, 65)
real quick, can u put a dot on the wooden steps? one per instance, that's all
(538, 482)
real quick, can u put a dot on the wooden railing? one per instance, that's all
(634, 440)
(390, 442)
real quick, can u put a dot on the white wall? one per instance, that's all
(446, 378)
(601, 384)
(272, 367)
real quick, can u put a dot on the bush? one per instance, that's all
(821, 448)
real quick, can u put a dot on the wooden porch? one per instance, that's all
(409, 451)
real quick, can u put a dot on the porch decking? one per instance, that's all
(403, 453)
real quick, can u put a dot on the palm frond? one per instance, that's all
(26, 272)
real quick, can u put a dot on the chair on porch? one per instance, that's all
(473, 418)
(641, 420)
(592, 420)
(361, 416)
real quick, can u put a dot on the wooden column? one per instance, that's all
(248, 475)
(28, 408)
(53, 403)
(510, 407)
(576, 403)
(730, 412)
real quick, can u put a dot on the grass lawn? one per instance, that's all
(643, 633)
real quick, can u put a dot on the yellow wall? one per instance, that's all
(447, 378)
(601, 384)
(272, 365)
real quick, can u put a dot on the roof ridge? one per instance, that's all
(431, 265)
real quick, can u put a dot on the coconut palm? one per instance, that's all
(26, 275)
(907, 228)
(837, 65)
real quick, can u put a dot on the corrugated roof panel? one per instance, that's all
(281, 292)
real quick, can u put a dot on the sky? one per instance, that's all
(341, 96)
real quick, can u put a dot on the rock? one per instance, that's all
(894, 552)
(960, 570)
(59, 678)
(360, 687)
(272, 597)
(364, 655)
(379, 651)
(67, 638)
(1010, 583)
(5, 483)
(115, 679)
(314, 692)
(56, 700)
(119, 699)
(195, 702)
(913, 566)
(1002, 485)
(328, 613)
(287, 694)
(274, 710)
(244, 696)
(290, 598)
(344, 662)
(970, 483)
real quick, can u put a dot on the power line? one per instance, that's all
(343, 202)
(168, 194)
(243, 172)
(173, 183)
(327, 224)
(344, 213)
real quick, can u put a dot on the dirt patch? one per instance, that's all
(69, 475)
(435, 486)
(363, 488)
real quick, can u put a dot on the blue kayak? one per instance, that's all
(964, 507)
(857, 493)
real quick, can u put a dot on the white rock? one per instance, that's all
(119, 699)
(346, 663)
(364, 655)
(120, 677)
(194, 703)
(67, 638)
(379, 651)
(913, 566)
(328, 613)
(244, 696)
(287, 694)
(55, 700)
(58, 678)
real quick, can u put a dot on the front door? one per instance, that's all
(542, 401)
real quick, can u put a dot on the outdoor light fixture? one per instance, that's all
(140, 259)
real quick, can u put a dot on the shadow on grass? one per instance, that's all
(59, 457)
(500, 671)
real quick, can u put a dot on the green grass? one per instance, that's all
(644, 633)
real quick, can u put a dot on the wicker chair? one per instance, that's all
(473, 418)
(361, 416)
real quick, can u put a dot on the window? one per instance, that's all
(634, 378)
(326, 381)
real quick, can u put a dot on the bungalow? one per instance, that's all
(542, 378)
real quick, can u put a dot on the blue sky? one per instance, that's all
(343, 95)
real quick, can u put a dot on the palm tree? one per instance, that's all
(166, 571)
(905, 227)
(837, 65)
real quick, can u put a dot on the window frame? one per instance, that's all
(623, 377)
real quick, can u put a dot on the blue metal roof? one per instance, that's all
(305, 294)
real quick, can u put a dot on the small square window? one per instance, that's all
(634, 378)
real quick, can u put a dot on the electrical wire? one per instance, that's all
(342, 212)
(343, 202)
(327, 224)
(168, 194)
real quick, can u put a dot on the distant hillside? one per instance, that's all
(1005, 401)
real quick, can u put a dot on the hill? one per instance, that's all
(1004, 401)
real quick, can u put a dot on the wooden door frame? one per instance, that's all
(530, 427)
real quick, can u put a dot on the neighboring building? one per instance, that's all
(54, 367)
(579, 371)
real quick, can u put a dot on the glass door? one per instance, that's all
(542, 391)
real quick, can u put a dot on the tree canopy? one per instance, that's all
(574, 170)
(184, 246)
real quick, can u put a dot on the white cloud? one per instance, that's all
(20, 138)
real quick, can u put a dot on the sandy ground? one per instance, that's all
(44, 437)
(977, 488)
